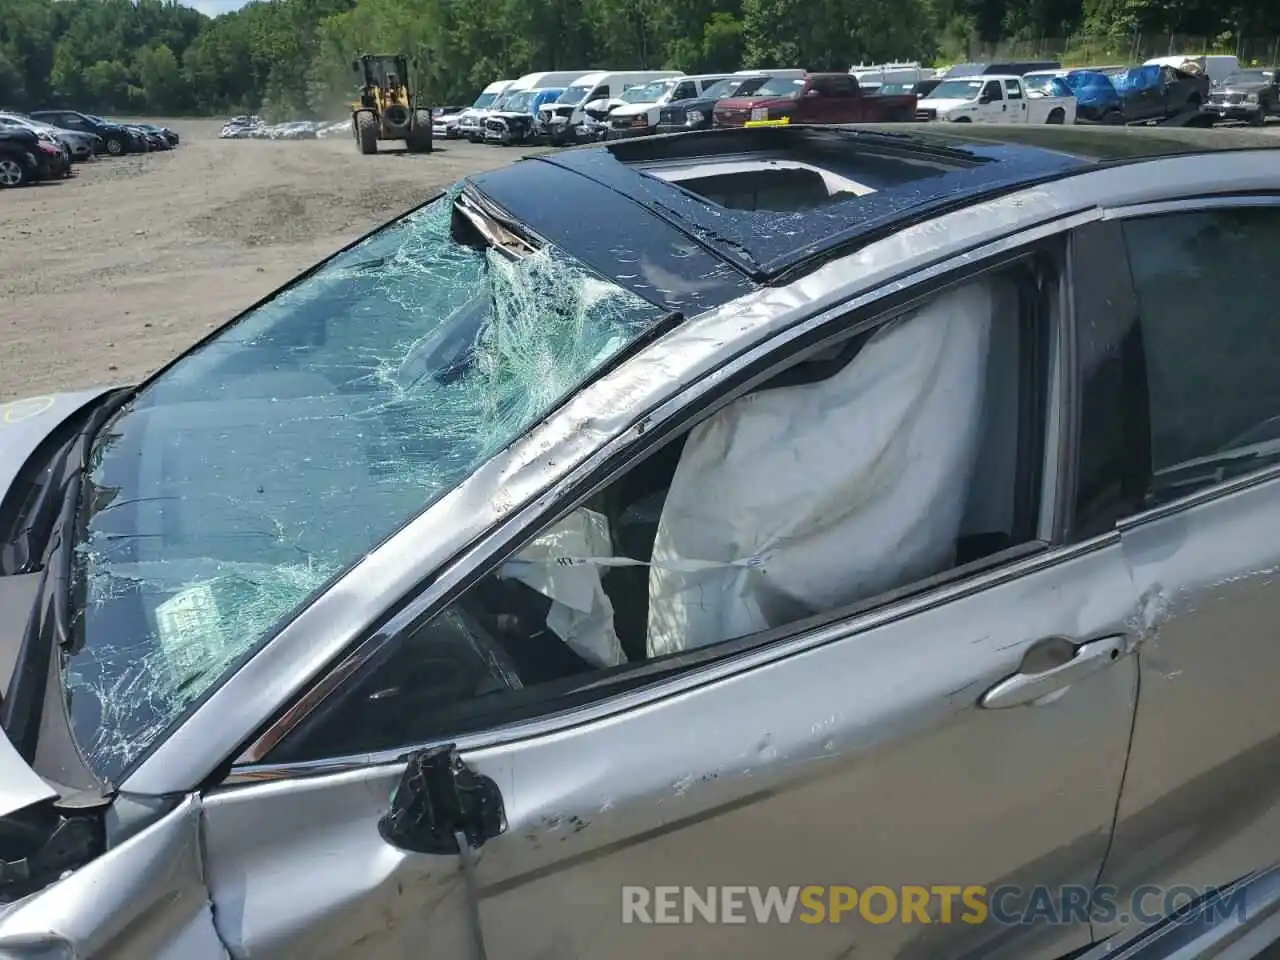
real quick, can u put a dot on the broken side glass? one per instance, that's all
(278, 453)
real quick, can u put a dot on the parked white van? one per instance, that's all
(471, 120)
(543, 81)
(562, 121)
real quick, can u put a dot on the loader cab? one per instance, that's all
(387, 108)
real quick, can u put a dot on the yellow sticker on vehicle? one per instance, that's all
(19, 410)
(784, 121)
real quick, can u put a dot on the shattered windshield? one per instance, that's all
(278, 453)
(519, 102)
(484, 100)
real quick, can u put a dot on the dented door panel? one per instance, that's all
(145, 898)
(297, 869)
(860, 762)
(1201, 801)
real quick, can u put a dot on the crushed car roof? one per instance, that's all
(765, 201)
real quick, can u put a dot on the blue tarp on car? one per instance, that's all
(1092, 89)
(1137, 78)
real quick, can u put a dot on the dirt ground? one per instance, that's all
(107, 275)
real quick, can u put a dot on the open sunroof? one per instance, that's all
(769, 199)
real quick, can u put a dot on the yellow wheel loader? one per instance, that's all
(388, 110)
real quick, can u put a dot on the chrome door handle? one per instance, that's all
(1026, 687)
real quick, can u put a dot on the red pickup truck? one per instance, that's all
(815, 98)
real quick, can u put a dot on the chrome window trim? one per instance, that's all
(225, 719)
(1244, 481)
(1216, 201)
(1217, 491)
(526, 524)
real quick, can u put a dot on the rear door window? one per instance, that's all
(1211, 343)
(835, 86)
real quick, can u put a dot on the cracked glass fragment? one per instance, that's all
(276, 455)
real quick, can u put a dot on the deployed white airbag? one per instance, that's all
(581, 613)
(832, 491)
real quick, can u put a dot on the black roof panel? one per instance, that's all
(600, 227)
(766, 243)
(910, 171)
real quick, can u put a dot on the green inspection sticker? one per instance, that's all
(192, 631)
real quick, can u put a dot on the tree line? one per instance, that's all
(290, 58)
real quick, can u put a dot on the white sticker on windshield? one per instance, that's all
(192, 631)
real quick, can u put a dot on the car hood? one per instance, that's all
(696, 103)
(510, 114)
(747, 103)
(448, 117)
(945, 103)
(1241, 88)
(24, 424)
(633, 109)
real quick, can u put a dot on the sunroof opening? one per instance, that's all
(764, 184)
(795, 172)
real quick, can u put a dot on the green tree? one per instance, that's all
(160, 78)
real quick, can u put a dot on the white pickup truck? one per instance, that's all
(993, 99)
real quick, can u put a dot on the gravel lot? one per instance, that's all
(106, 276)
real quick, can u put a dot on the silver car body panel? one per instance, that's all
(1201, 803)
(145, 898)
(25, 423)
(279, 894)
(20, 786)
(1205, 568)
(617, 408)
(817, 760)
(820, 768)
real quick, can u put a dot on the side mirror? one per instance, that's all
(813, 93)
(441, 803)
(355, 66)
(984, 98)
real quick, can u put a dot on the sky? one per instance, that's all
(214, 7)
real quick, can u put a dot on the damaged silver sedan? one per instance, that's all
(726, 544)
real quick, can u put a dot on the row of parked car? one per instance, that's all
(1203, 89)
(253, 127)
(44, 144)
(568, 106)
